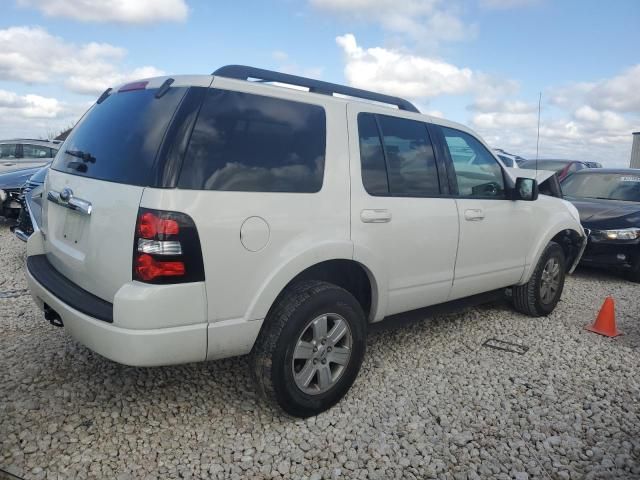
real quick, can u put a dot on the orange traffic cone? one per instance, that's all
(605, 323)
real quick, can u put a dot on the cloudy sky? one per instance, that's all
(479, 62)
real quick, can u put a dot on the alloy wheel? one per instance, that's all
(322, 353)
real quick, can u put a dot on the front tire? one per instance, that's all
(310, 348)
(634, 274)
(540, 295)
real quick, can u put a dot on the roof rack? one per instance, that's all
(242, 72)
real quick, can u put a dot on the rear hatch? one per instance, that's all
(96, 181)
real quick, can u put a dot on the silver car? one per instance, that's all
(18, 154)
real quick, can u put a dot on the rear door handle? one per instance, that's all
(375, 216)
(474, 215)
(8, 164)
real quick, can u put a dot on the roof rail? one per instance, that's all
(242, 72)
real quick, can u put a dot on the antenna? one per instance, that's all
(538, 139)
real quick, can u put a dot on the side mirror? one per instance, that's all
(526, 189)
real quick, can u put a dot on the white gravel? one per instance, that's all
(430, 402)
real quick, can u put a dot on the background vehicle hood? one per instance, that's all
(16, 178)
(607, 214)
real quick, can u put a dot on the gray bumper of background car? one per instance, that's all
(34, 209)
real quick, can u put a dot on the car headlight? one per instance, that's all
(622, 234)
(3, 196)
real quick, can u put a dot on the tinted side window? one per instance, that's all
(35, 151)
(477, 172)
(8, 150)
(409, 154)
(253, 143)
(374, 171)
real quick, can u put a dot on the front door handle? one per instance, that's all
(8, 164)
(375, 216)
(474, 215)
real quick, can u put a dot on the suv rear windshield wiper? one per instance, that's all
(85, 156)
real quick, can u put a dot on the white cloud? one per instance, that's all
(427, 22)
(619, 93)
(28, 106)
(488, 104)
(584, 133)
(124, 11)
(396, 72)
(31, 55)
(33, 115)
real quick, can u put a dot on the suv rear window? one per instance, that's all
(118, 139)
(254, 143)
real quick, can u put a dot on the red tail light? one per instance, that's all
(166, 248)
(133, 86)
(150, 226)
(148, 268)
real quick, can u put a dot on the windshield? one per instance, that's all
(118, 139)
(610, 186)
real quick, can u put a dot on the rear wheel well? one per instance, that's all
(570, 241)
(347, 274)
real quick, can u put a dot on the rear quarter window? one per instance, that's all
(118, 139)
(254, 143)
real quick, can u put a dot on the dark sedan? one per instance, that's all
(609, 204)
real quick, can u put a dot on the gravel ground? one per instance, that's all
(430, 402)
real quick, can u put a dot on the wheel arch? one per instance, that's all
(333, 265)
(567, 236)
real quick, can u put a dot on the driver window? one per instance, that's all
(478, 174)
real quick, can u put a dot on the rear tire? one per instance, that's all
(540, 295)
(298, 367)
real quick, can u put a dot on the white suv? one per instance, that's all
(200, 217)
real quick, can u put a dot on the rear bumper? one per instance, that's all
(152, 325)
(141, 348)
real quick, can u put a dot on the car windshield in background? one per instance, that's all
(118, 139)
(609, 186)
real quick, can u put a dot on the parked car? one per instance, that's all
(509, 159)
(30, 200)
(194, 218)
(563, 168)
(609, 204)
(11, 184)
(19, 154)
